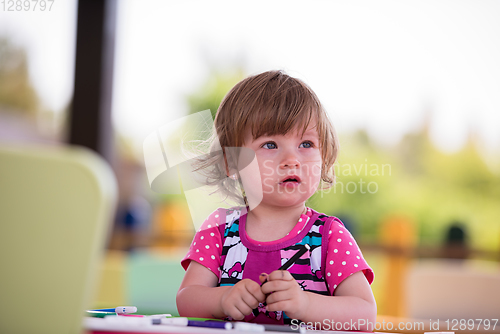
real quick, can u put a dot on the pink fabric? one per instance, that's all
(206, 248)
(304, 218)
(343, 259)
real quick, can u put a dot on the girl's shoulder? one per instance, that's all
(229, 216)
(221, 218)
(332, 224)
(325, 218)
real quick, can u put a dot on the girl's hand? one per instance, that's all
(285, 294)
(241, 299)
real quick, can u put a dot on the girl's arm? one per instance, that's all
(198, 295)
(353, 304)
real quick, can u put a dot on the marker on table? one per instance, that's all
(193, 323)
(284, 328)
(250, 327)
(152, 316)
(117, 310)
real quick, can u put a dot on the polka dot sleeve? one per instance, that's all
(343, 257)
(206, 247)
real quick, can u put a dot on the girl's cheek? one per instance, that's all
(267, 186)
(267, 166)
(313, 153)
(312, 159)
(316, 169)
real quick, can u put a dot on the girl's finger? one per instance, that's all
(241, 309)
(263, 277)
(280, 275)
(276, 285)
(282, 305)
(235, 313)
(250, 301)
(278, 296)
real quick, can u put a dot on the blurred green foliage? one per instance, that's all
(211, 93)
(16, 92)
(410, 178)
(428, 186)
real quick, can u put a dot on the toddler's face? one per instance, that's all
(289, 167)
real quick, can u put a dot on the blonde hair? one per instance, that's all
(270, 103)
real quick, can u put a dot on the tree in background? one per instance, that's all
(411, 178)
(211, 93)
(17, 95)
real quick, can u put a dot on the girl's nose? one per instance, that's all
(289, 160)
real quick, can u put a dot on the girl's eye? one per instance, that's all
(270, 145)
(307, 144)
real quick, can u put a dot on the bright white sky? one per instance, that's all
(380, 65)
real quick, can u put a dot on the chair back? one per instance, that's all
(56, 206)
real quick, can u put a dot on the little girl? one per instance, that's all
(280, 119)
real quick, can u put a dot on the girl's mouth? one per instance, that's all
(290, 181)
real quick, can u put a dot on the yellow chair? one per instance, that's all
(56, 205)
(111, 289)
